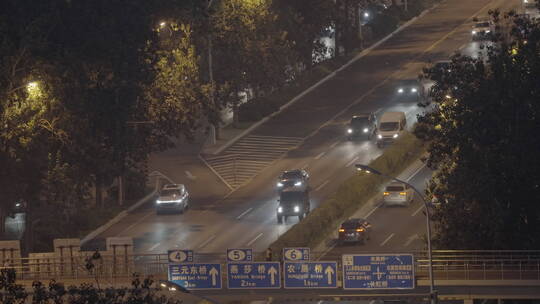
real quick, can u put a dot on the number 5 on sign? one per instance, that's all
(240, 255)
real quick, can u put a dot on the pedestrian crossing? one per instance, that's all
(240, 162)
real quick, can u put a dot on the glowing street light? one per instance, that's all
(368, 169)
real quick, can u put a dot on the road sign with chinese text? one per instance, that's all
(240, 255)
(296, 254)
(253, 275)
(310, 274)
(180, 256)
(196, 275)
(378, 271)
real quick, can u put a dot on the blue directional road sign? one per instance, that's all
(378, 271)
(296, 254)
(195, 275)
(180, 256)
(240, 255)
(253, 275)
(310, 274)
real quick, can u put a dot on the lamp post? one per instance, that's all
(432, 292)
(171, 286)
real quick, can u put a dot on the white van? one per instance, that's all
(391, 126)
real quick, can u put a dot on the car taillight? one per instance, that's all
(341, 230)
(359, 229)
(403, 193)
(386, 193)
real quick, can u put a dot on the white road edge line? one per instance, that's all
(387, 239)
(415, 172)
(255, 239)
(322, 185)
(352, 161)
(244, 213)
(418, 210)
(207, 241)
(320, 155)
(154, 247)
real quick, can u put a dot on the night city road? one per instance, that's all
(246, 217)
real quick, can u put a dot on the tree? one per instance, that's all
(482, 141)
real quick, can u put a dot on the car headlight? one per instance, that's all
(487, 31)
(159, 202)
(349, 131)
(400, 90)
(414, 90)
(379, 136)
(473, 32)
(280, 184)
(296, 209)
(280, 209)
(298, 184)
(395, 135)
(366, 130)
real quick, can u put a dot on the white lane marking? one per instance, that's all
(243, 213)
(387, 239)
(334, 144)
(371, 212)
(305, 166)
(415, 172)
(322, 185)
(378, 110)
(418, 210)
(253, 241)
(411, 239)
(190, 176)
(207, 241)
(154, 247)
(320, 155)
(352, 161)
(136, 222)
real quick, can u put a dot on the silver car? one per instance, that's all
(173, 197)
(397, 193)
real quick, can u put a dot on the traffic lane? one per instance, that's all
(394, 228)
(361, 76)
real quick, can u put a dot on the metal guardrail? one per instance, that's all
(448, 265)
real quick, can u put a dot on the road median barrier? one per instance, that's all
(350, 196)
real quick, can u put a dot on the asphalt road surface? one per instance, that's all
(247, 216)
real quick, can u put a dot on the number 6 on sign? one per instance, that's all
(296, 254)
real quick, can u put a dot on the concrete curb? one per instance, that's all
(326, 78)
(117, 218)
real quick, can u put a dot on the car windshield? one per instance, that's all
(169, 192)
(350, 225)
(291, 196)
(359, 121)
(389, 126)
(291, 175)
(482, 24)
(409, 83)
(395, 188)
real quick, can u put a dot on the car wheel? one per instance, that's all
(279, 219)
(300, 217)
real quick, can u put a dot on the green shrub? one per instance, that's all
(350, 196)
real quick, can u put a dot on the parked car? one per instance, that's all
(397, 193)
(297, 179)
(362, 125)
(354, 230)
(172, 197)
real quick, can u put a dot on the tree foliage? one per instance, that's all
(482, 140)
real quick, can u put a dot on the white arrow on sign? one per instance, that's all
(272, 272)
(213, 272)
(329, 272)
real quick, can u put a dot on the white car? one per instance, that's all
(482, 30)
(397, 193)
(173, 197)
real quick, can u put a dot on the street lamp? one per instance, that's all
(432, 293)
(171, 286)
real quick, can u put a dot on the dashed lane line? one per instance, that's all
(387, 239)
(418, 210)
(244, 213)
(207, 241)
(254, 239)
(322, 185)
(320, 155)
(154, 247)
